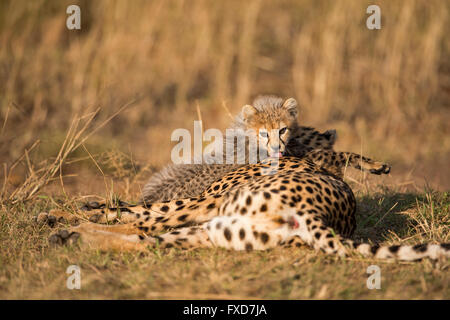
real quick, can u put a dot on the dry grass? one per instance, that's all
(88, 114)
(387, 92)
(30, 269)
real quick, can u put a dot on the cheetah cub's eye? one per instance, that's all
(282, 131)
(263, 134)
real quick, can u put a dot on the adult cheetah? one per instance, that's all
(279, 201)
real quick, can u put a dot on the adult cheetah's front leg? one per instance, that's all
(128, 238)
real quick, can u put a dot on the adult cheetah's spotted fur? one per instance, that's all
(280, 201)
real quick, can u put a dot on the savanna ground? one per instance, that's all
(88, 115)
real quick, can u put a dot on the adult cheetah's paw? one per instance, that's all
(56, 216)
(63, 237)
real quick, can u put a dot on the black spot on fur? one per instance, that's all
(227, 234)
(420, 247)
(183, 217)
(394, 249)
(374, 249)
(179, 202)
(263, 208)
(211, 206)
(241, 234)
(248, 246)
(248, 201)
(164, 208)
(264, 237)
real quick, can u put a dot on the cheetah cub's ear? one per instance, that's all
(248, 113)
(291, 107)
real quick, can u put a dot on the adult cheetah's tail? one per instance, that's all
(402, 252)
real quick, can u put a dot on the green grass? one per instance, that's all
(30, 269)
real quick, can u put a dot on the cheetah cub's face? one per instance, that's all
(274, 121)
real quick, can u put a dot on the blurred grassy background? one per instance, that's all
(387, 91)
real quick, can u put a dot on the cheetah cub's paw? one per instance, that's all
(380, 168)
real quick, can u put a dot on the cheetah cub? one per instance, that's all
(274, 121)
